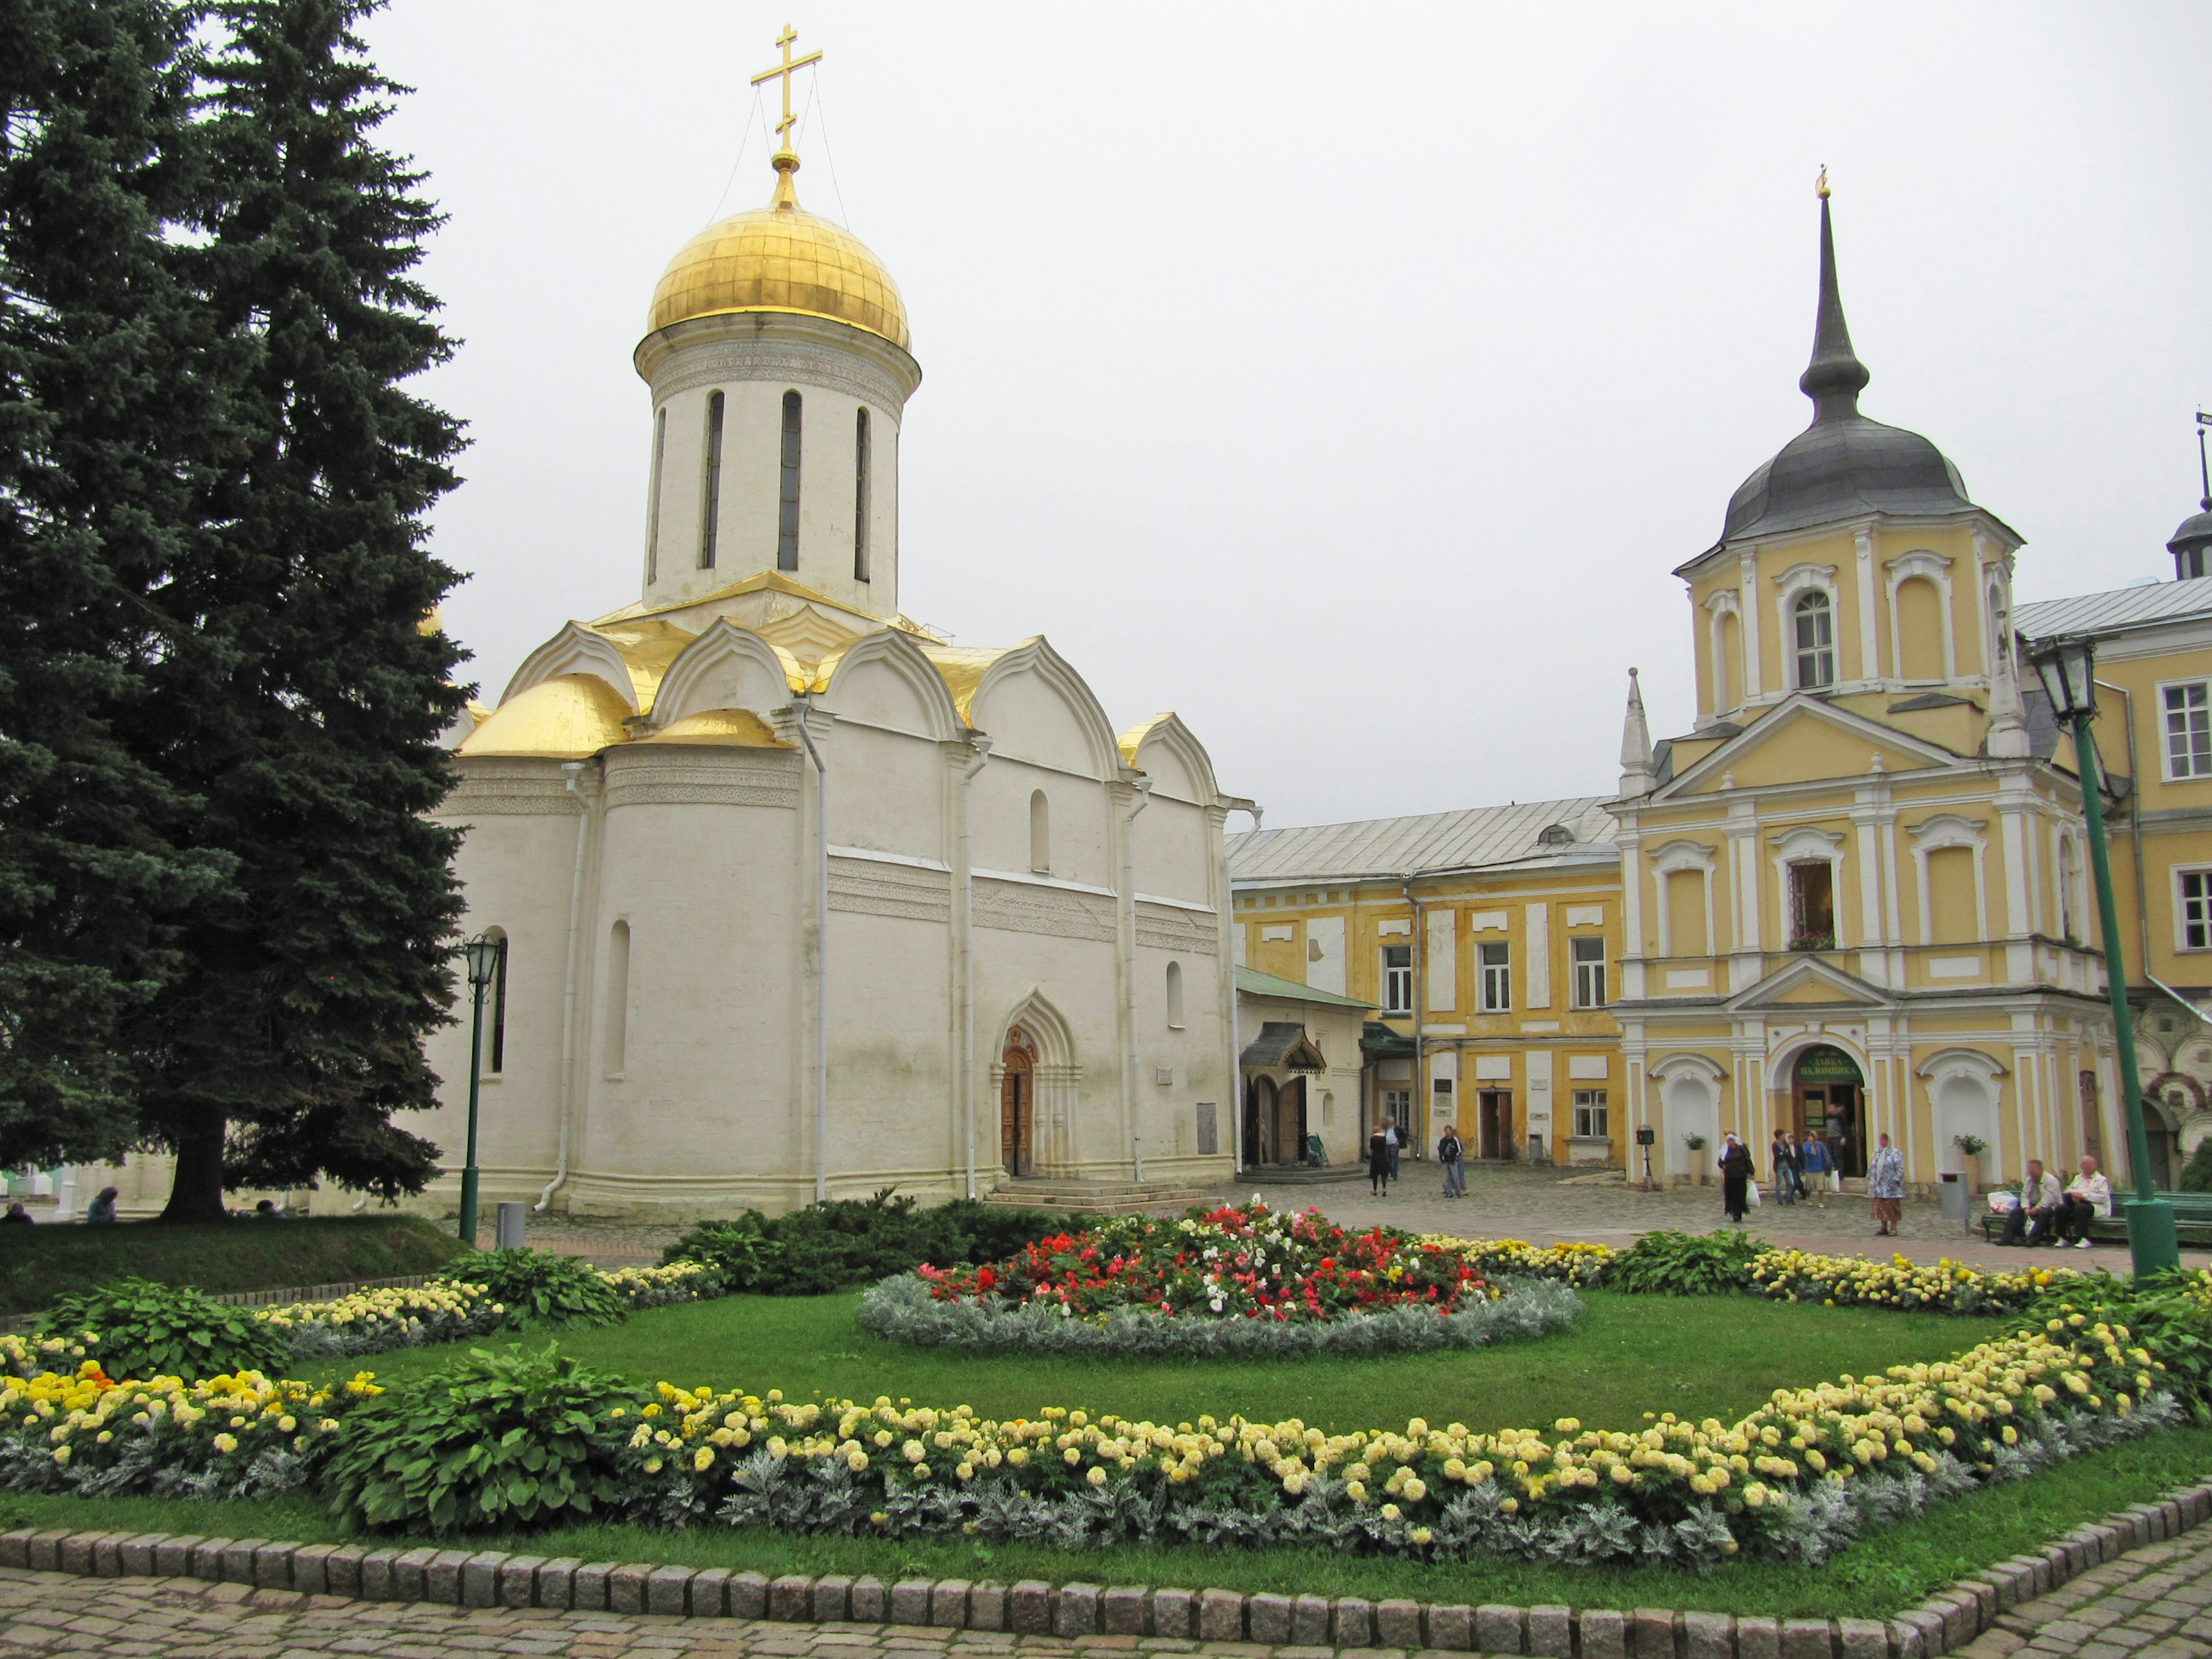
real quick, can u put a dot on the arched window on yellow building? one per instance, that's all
(1815, 624)
(1919, 630)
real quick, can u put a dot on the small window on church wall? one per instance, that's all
(1040, 833)
(616, 1042)
(1175, 996)
(786, 521)
(495, 1040)
(860, 496)
(1919, 630)
(652, 498)
(1813, 906)
(711, 522)
(1951, 895)
(1816, 642)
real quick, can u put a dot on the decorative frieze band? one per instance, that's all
(728, 360)
(1014, 908)
(866, 888)
(733, 778)
(1161, 928)
(487, 788)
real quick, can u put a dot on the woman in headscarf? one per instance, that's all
(1735, 1178)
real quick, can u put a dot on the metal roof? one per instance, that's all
(1437, 840)
(2123, 608)
(1252, 982)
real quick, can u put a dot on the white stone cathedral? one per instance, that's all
(757, 827)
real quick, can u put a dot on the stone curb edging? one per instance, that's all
(1943, 1624)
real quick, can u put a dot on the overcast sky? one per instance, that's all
(1346, 379)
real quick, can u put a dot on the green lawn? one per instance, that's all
(1628, 1355)
(1872, 1579)
(38, 1264)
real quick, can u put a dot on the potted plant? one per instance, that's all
(1970, 1148)
(1696, 1143)
(1812, 942)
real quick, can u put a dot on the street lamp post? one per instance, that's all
(484, 953)
(2067, 667)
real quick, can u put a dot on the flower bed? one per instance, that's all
(1792, 1275)
(1238, 1281)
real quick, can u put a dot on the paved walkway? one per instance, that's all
(2151, 1603)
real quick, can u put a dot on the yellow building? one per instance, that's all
(1853, 899)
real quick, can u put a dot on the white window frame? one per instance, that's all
(1587, 969)
(2181, 906)
(1497, 976)
(1793, 584)
(1591, 1100)
(1935, 569)
(2165, 729)
(1398, 981)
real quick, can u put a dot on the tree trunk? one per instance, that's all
(195, 1191)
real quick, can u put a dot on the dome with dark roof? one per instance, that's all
(2195, 534)
(1843, 465)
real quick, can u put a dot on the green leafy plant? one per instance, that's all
(537, 1285)
(142, 1329)
(1696, 1143)
(1686, 1264)
(846, 1242)
(1972, 1146)
(2169, 1314)
(514, 1439)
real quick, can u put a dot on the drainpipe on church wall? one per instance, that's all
(1130, 1110)
(571, 771)
(980, 743)
(1419, 1102)
(802, 707)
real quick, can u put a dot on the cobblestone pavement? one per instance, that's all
(2151, 1603)
(1551, 1206)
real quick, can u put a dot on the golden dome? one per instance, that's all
(780, 258)
(565, 718)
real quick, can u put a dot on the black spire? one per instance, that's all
(1835, 377)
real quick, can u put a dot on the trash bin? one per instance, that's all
(1956, 1195)
(511, 1217)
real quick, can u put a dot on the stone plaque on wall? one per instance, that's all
(1209, 1131)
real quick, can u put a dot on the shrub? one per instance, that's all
(2196, 1174)
(512, 1439)
(846, 1242)
(135, 1328)
(537, 1285)
(1686, 1264)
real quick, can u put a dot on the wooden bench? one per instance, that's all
(2192, 1220)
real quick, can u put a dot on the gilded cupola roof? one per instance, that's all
(780, 258)
(1843, 465)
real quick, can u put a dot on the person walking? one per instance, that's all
(1453, 1156)
(1886, 1187)
(1735, 1179)
(1817, 1161)
(2088, 1197)
(1378, 1160)
(1397, 1140)
(2037, 1213)
(1782, 1161)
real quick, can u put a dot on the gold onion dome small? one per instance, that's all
(781, 257)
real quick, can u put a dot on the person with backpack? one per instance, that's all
(1453, 1156)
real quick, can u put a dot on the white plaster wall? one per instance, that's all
(1077, 977)
(1168, 1115)
(1175, 850)
(1082, 822)
(887, 791)
(891, 1058)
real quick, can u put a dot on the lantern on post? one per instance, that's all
(2067, 665)
(484, 954)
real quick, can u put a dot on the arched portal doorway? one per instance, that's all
(1259, 1119)
(1017, 1104)
(1829, 1098)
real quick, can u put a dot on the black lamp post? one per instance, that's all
(2068, 669)
(484, 954)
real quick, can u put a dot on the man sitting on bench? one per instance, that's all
(2037, 1212)
(2088, 1197)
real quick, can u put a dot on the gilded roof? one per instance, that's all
(780, 258)
(647, 649)
(567, 717)
(1133, 739)
(738, 728)
(962, 667)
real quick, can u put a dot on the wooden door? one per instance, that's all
(1493, 1119)
(1017, 1107)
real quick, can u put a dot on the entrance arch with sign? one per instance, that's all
(1829, 1099)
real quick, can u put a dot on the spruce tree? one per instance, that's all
(105, 412)
(307, 706)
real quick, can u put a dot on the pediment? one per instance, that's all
(1805, 740)
(1810, 981)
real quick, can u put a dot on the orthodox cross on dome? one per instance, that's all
(786, 159)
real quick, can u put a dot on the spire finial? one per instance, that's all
(1835, 377)
(1820, 183)
(786, 159)
(1637, 776)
